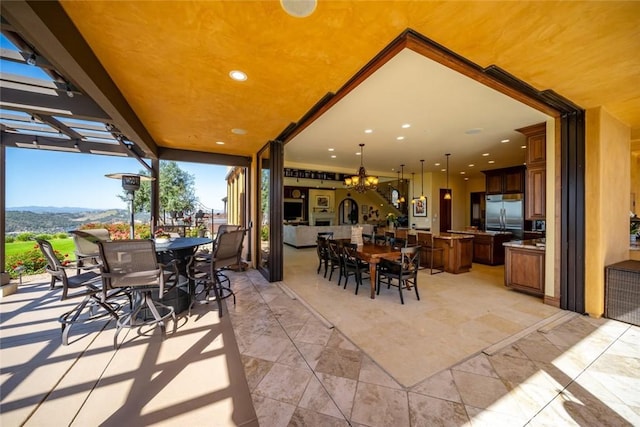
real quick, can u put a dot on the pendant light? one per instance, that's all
(401, 199)
(361, 182)
(447, 194)
(422, 197)
(413, 188)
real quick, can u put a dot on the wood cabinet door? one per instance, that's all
(514, 181)
(494, 183)
(536, 150)
(482, 251)
(536, 194)
(524, 270)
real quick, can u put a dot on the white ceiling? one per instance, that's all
(440, 104)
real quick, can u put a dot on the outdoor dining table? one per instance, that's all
(180, 249)
(373, 253)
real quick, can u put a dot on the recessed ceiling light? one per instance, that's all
(358, 153)
(443, 170)
(332, 149)
(333, 156)
(406, 125)
(400, 138)
(492, 161)
(466, 179)
(437, 164)
(523, 146)
(471, 165)
(220, 142)
(238, 75)
(299, 8)
(504, 141)
(485, 154)
(368, 131)
(473, 131)
(462, 173)
(239, 131)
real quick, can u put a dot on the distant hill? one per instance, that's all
(51, 209)
(46, 221)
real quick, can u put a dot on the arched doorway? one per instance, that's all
(348, 212)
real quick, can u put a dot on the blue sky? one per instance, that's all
(50, 178)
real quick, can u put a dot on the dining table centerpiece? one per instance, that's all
(392, 220)
(162, 237)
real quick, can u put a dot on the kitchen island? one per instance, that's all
(458, 251)
(487, 245)
(524, 266)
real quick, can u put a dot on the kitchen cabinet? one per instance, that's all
(524, 267)
(505, 181)
(487, 247)
(536, 143)
(535, 205)
(458, 252)
(536, 176)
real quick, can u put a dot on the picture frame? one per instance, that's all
(322, 202)
(419, 207)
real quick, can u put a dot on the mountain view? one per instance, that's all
(46, 219)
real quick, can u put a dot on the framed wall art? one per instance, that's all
(420, 207)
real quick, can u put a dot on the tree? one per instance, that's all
(177, 191)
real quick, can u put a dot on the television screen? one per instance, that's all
(292, 210)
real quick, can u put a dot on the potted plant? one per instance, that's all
(392, 220)
(161, 236)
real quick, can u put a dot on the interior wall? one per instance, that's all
(635, 182)
(607, 172)
(474, 185)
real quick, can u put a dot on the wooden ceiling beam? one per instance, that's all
(47, 27)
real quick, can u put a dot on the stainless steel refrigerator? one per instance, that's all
(505, 212)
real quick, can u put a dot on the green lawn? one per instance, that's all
(65, 246)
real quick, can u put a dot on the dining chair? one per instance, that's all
(86, 247)
(87, 285)
(132, 265)
(322, 250)
(402, 273)
(353, 265)
(432, 257)
(208, 271)
(335, 259)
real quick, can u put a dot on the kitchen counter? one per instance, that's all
(487, 245)
(458, 252)
(535, 244)
(524, 266)
(481, 232)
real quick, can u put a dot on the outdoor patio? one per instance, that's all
(297, 371)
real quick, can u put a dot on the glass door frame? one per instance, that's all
(273, 272)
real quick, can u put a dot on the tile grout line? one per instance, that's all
(558, 317)
(573, 380)
(313, 372)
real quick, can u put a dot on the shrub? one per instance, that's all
(120, 230)
(61, 235)
(9, 239)
(43, 236)
(25, 237)
(32, 262)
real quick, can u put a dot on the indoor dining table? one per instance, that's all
(373, 253)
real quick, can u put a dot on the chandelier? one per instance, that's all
(361, 182)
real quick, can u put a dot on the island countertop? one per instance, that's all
(453, 237)
(481, 232)
(537, 244)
